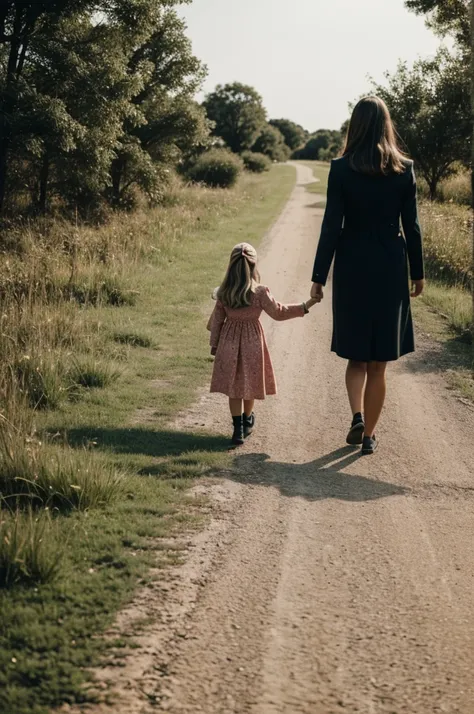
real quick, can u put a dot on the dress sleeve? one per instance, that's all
(215, 323)
(331, 228)
(412, 230)
(277, 310)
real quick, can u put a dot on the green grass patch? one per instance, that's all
(88, 373)
(30, 550)
(133, 339)
(112, 474)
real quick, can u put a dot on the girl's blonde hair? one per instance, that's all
(237, 286)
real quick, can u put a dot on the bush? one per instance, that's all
(258, 163)
(218, 168)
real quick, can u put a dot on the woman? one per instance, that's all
(370, 188)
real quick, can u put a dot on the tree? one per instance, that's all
(19, 21)
(271, 142)
(323, 145)
(455, 17)
(82, 65)
(80, 87)
(294, 134)
(167, 123)
(238, 115)
(446, 17)
(430, 105)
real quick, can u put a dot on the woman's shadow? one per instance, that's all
(316, 480)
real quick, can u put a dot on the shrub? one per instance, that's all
(218, 168)
(30, 550)
(258, 163)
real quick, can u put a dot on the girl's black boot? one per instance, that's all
(238, 435)
(249, 423)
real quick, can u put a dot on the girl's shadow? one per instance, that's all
(315, 480)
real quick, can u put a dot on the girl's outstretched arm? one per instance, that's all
(277, 310)
(215, 324)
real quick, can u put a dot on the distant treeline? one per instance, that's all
(97, 107)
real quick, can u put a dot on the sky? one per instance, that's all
(307, 58)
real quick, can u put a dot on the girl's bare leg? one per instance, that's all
(235, 406)
(375, 391)
(248, 406)
(356, 375)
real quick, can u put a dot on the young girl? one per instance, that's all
(243, 368)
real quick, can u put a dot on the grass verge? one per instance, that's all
(320, 171)
(132, 364)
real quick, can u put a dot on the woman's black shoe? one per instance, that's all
(369, 445)
(238, 435)
(356, 432)
(249, 423)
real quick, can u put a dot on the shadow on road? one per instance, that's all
(316, 480)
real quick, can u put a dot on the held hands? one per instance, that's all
(317, 293)
(309, 303)
(417, 287)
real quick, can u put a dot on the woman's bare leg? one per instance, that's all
(375, 391)
(248, 406)
(356, 374)
(235, 406)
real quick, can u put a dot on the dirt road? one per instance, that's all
(330, 583)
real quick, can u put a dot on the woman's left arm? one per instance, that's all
(413, 237)
(332, 226)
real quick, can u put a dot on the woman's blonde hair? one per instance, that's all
(371, 143)
(240, 278)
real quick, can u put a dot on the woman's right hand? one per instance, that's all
(417, 287)
(317, 292)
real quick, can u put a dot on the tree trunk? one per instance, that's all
(116, 171)
(3, 164)
(8, 101)
(433, 188)
(43, 185)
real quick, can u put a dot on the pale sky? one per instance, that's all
(307, 58)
